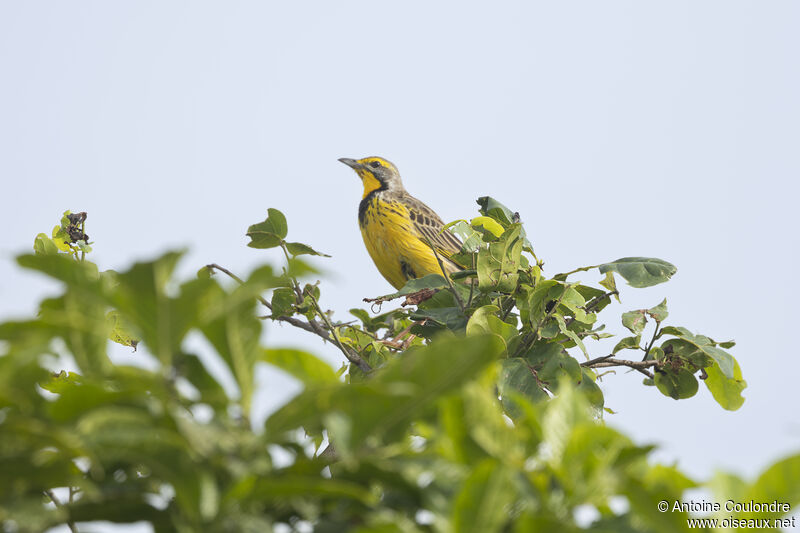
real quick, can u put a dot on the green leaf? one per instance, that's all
(283, 301)
(211, 391)
(696, 348)
(611, 284)
(668, 479)
(487, 223)
(727, 391)
(472, 240)
(485, 320)
(591, 391)
(533, 303)
(498, 263)
(628, 343)
(44, 245)
(121, 330)
(566, 412)
(492, 208)
(429, 281)
(230, 324)
(641, 271)
(302, 365)
(63, 381)
(659, 313)
(395, 395)
(451, 318)
(295, 486)
(298, 248)
(482, 505)
(635, 321)
(574, 302)
(270, 233)
(678, 384)
(655, 354)
(156, 319)
(488, 426)
(61, 236)
(562, 326)
(81, 275)
(517, 377)
(552, 364)
(780, 482)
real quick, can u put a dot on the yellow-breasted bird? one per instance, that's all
(395, 225)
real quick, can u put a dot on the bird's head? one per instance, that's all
(376, 174)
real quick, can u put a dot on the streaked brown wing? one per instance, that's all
(429, 225)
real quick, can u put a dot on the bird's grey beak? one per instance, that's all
(352, 163)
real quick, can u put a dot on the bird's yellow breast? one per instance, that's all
(394, 244)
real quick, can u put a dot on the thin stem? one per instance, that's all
(224, 270)
(351, 355)
(582, 269)
(471, 284)
(295, 284)
(652, 341)
(213, 266)
(592, 304)
(83, 227)
(312, 326)
(50, 494)
(507, 307)
(446, 276)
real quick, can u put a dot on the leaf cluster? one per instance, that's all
(443, 421)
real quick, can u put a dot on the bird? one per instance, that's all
(399, 231)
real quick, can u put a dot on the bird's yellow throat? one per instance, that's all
(371, 183)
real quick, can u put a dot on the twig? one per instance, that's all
(446, 275)
(652, 341)
(312, 326)
(608, 360)
(507, 307)
(295, 285)
(471, 284)
(594, 302)
(412, 298)
(591, 362)
(351, 355)
(224, 270)
(582, 269)
(50, 494)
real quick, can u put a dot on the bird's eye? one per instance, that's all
(375, 164)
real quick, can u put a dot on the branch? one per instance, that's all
(609, 360)
(652, 342)
(312, 326)
(471, 283)
(349, 353)
(50, 494)
(412, 298)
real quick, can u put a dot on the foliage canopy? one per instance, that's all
(474, 407)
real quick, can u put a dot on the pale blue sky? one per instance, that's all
(667, 129)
